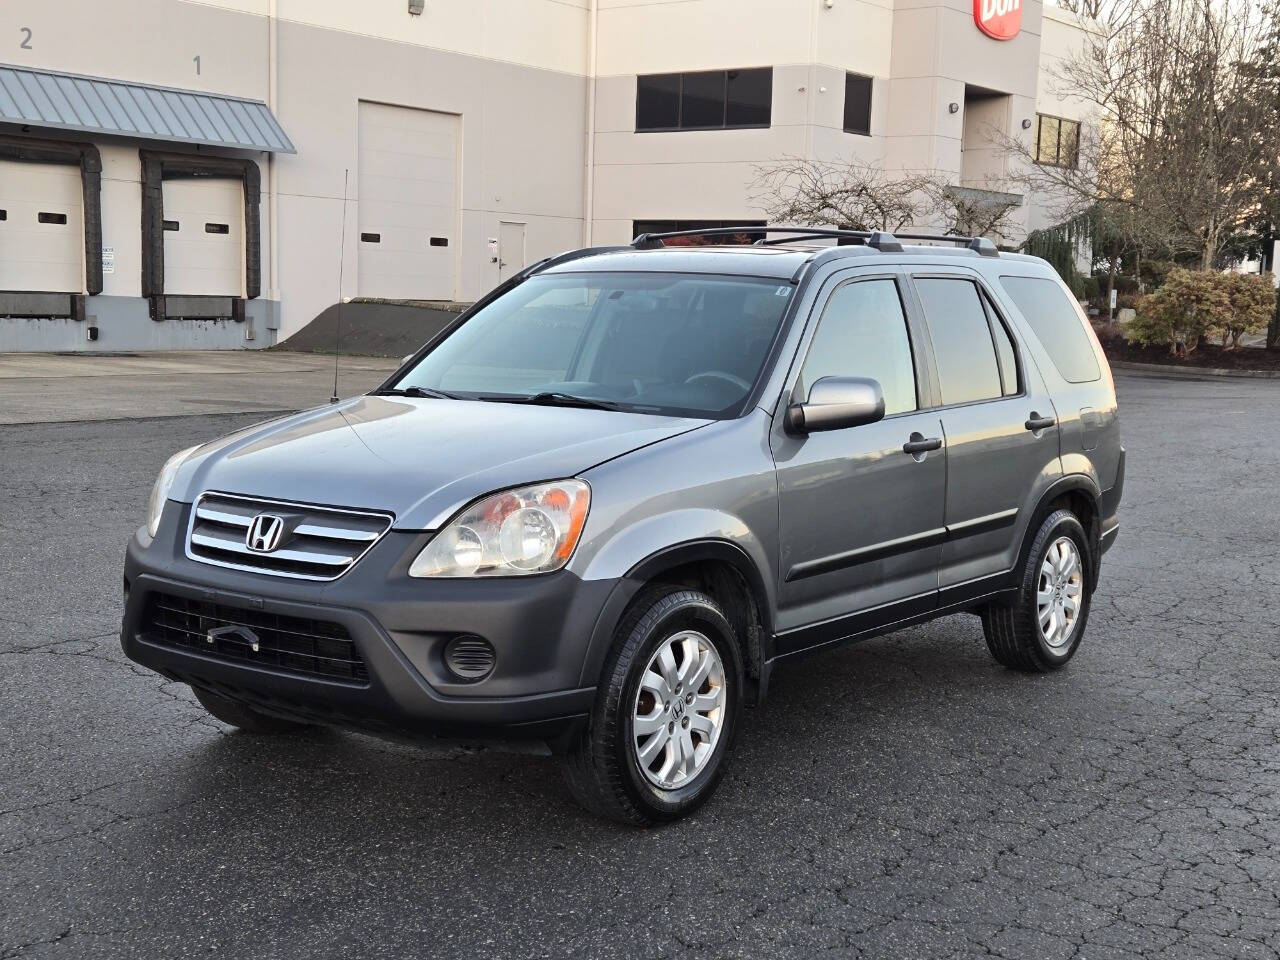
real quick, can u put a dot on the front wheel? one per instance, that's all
(659, 737)
(1041, 628)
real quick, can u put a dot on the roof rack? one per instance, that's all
(881, 240)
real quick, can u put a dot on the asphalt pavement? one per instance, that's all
(905, 797)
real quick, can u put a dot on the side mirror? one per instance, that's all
(835, 403)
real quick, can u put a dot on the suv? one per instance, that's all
(602, 506)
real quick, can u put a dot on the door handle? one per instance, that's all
(919, 444)
(1037, 422)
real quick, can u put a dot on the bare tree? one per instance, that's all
(974, 212)
(850, 194)
(1178, 142)
(862, 196)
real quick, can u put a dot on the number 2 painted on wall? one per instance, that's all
(26, 40)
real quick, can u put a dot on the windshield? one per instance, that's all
(678, 344)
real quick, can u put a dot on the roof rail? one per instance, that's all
(979, 245)
(882, 240)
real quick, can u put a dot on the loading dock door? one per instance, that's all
(42, 227)
(204, 236)
(408, 203)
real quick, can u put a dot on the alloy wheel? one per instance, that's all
(1059, 593)
(679, 710)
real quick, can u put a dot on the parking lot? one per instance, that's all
(905, 797)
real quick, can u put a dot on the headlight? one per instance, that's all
(512, 533)
(160, 492)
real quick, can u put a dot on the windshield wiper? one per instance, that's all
(554, 398)
(414, 392)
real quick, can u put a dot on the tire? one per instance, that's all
(240, 715)
(603, 767)
(1013, 629)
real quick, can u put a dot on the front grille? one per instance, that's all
(314, 543)
(297, 645)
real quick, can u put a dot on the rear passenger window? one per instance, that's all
(863, 333)
(967, 365)
(1057, 325)
(1005, 352)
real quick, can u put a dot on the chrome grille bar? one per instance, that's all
(318, 543)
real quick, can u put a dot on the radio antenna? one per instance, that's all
(342, 259)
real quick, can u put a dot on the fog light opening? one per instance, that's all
(469, 658)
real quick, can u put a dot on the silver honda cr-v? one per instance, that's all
(602, 506)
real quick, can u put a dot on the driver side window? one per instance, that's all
(863, 333)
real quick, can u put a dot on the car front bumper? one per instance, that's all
(539, 627)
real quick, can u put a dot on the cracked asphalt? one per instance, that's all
(905, 797)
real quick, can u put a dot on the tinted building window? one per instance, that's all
(967, 367)
(857, 104)
(1056, 323)
(863, 333)
(748, 98)
(658, 102)
(1057, 141)
(707, 100)
(702, 100)
(668, 226)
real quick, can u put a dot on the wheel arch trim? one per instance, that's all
(1071, 483)
(669, 558)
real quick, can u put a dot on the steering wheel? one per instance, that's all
(720, 375)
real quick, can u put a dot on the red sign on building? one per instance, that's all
(999, 19)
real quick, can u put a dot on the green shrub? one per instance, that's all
(1253, 301)
(1092, 288)
(1189, 306)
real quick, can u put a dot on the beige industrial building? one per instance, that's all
(173, 173)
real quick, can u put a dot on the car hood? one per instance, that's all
(421, 459)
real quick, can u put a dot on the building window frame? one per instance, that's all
(725, 77)
(1054, 156)
(851, 81)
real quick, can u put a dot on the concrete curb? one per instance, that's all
(1176, 371)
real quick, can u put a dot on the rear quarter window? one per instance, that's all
(1054, 320)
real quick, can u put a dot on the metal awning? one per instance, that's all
(67, 101)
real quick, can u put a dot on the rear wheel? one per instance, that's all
(659, 737)
(1041, 628)
(243, 716)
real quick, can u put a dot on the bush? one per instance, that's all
(1092, 288)
(1077, 285)
(1253, 300)
(1188, 307)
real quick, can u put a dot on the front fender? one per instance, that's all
(642, 551)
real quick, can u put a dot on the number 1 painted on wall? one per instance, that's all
(196, 61)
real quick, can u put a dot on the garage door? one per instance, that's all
(204, 236)
(408, 203)
(41, 227)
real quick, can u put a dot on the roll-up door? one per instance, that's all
(204, 236)
(408, 203)
(41, 227)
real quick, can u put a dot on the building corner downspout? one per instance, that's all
(589, 185)
(273, 102)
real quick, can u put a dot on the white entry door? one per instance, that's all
(41, 227)
(511, 249)
(204, 236)
(408, 219)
